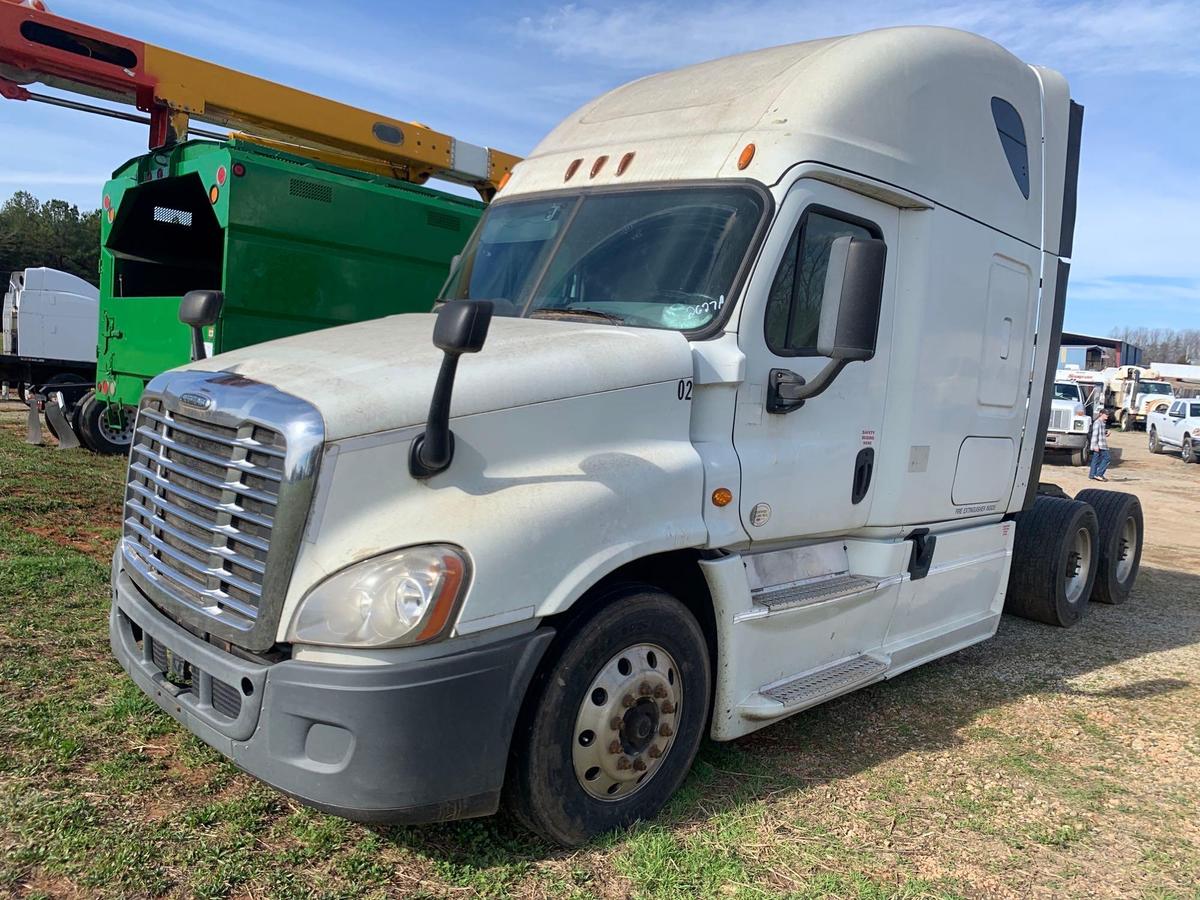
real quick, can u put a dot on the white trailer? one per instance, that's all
(49, 325)
(760, 359)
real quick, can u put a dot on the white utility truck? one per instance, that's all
(735, 403)
(1176, 428)
(1070, 426)
(1134, 392)
(49, 331)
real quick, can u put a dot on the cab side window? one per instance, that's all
(794, 304)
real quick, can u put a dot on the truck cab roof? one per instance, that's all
(944, 116)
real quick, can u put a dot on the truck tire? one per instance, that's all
(1125, 421)
(1054, 561)
(639, 662)
(1154, 443)
(1187, 451)
(96, 433)
(1081, 456)
(1121, 530)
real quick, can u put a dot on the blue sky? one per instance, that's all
(504, 74)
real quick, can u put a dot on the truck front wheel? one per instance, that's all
(1120, 544)
(612, 723)
(1054, 561)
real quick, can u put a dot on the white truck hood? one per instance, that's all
(379, 375)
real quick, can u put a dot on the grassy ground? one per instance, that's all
(1042, 763)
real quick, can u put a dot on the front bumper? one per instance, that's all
(416, 742)
(1066, 440)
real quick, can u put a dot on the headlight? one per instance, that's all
(400, 598)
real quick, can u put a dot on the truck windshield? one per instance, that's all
(1154, 387)
(655, 258)
(1066, 392)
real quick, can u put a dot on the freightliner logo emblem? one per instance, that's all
(196, 401)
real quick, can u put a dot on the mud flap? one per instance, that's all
(33, 424)
(58, 423)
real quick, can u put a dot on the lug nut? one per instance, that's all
(628, 700)
(615, 723)
(660, 692)
(644, 689)
(654, 752)
(665, 730)
(639, 765)
(614, 748)
(668, 707)
(623, 762)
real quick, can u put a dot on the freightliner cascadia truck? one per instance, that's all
(735, 402)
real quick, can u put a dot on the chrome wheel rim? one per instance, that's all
(1079, 564)
(122, 435)
(1126, 549)
(627, 722)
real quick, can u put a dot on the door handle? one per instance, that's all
(864, 465)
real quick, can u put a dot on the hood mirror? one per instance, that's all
(461, 327)
(200, 309)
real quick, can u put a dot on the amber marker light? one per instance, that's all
(112, 214)
(504, 180)
(572, 168)
(722, 497)
(598, 165)
(746, 156)
(624, 163)
(214, 194)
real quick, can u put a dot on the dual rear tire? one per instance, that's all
(1067, 552)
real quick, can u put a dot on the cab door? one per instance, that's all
(810, 471)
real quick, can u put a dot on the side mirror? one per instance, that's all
(850, 302)
(461, 327)
(199, 309)
(849, 324)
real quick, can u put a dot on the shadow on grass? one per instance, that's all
(924, 710)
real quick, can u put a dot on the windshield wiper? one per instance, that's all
(549, 312)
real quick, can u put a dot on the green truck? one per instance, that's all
(294, 244)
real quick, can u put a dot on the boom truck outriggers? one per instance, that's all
(317, 217)
(735, 403)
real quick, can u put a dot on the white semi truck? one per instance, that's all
(735, 403)
(49, 328)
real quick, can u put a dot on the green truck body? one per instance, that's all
(295, 245)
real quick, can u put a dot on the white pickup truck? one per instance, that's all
(1070, 426)
(1178, 428)
(735, 402)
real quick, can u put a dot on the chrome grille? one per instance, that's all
(200, 507)
(1060, 419)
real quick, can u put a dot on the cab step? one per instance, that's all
(799, 692)
(805, 593)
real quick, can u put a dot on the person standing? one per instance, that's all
(1100, 454)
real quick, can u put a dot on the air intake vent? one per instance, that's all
(310, 190)
(437, 219)
(173, 216)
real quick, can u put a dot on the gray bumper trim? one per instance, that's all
(417, 742)
(1066, 440)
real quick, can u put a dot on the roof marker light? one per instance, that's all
(746, 157)
(624, 163)
(572, 169)
(598, 165)
(504, 180)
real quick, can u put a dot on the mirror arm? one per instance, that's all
(787, 391)
(433, 449)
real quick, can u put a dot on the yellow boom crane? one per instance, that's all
(174, 89)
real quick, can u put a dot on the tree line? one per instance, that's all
(52, 233)
(1163, 345)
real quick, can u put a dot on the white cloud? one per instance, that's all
(1096, 36)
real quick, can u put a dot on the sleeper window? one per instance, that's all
(794, 305)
